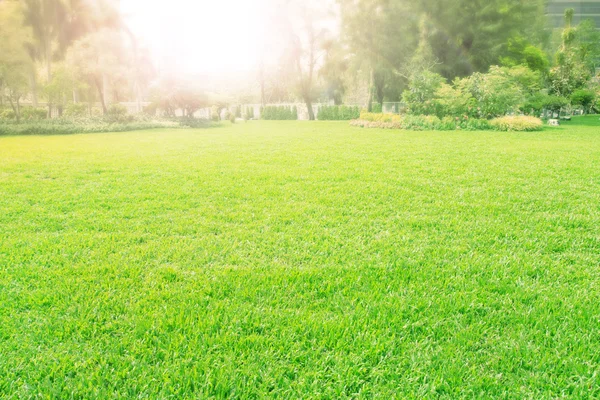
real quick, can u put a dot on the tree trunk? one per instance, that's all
(99, 86)
(49, 74)
(311, 113)
(33, 86)
(105, 91)
(15, 108)
(370, 100)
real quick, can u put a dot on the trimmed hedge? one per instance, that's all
(279, 113)
(338, 113)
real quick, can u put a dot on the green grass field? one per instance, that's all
(301, 260)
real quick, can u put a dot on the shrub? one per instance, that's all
(8, 115)
(375, 124)
(249, 114)
(76, 110)
(118, 113)
(63, 126)
(517, 123)
(583, 98)
(379, 117)
(452, 101)
(231, 117)
(420, 95)
(376, 107)
(555, 103)
(34, 114)
(279, 113)
(433, 123)
(338, 113)
(421, 122)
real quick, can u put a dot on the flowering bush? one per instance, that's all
(517, 123)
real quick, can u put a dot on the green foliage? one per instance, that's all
(8, 115)
(376, 107)
(433, 123)
(421, 92)
(338, 113)
(453, 102)
(517, 123)
(91, 125)
(583, 98)
(33, 114)
(231, 117)
(117, 113)
(249, 113)
(279, 113)
(500, 91)
(520, 52)
(555, 103)
(76, 110)
(379, 117)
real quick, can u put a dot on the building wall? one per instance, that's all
(584, 9)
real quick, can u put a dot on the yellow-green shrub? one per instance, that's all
(517, 123)
(379, 117)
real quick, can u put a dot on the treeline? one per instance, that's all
(60, 52)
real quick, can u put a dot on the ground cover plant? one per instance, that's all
(294, 260)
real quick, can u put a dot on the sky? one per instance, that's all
(216, 37)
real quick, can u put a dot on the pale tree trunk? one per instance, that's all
(33, 87)
(105, 93)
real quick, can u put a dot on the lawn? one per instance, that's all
(301, 260)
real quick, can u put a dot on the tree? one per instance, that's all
(15, 61)
(583, 98)
(521, 52)
(99, 59)
(570, 72)
(378, 45)
(306, 29)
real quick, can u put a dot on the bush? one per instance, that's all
(34, 114)
(117, 113)
(519, 124)
(279, 113)
(338, 113)
(8, 115)
(375, 124)
(433, 123)
(76, 110)
(379, 117)
(583, 98)
(249, 114)
(555, 103)
(376, 108)
(96, 124)
(231, 117)
(421, 93)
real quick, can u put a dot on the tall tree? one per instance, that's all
(15, 60)
(307, 28)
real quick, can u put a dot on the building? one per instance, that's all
(584, 9)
